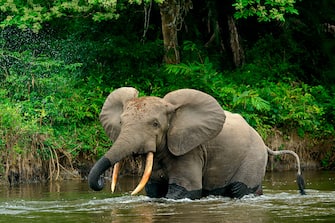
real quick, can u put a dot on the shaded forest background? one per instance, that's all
(279, 75)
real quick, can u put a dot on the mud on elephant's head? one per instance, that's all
(179, 122)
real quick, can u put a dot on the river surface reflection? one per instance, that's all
(72, 201)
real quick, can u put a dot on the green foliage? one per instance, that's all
(44, 96)
(32, 14)
(16, 131)
(265, 11)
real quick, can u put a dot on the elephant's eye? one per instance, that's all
(155, 124)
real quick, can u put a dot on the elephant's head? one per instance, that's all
(179, 122)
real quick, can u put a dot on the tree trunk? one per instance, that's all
(229, 32)
(237, 50)
(169, 11)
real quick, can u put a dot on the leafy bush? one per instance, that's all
(46, 110)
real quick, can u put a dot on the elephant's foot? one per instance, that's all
(178, 192)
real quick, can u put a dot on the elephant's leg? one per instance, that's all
(156, 189)
(239, 189)
(248, 180)
(179, 192)
(185, 177)
(157, 185)
(234, 190)
(250, 173)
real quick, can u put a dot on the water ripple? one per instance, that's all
(289, 205)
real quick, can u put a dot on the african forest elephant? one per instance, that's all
(194, 148)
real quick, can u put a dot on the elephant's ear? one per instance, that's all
(198, 118)
(113, 108)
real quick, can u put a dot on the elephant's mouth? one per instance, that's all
(145, 177)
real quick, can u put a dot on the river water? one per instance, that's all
(73, 201)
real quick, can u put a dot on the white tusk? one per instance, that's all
(116, 170)
(146, 174)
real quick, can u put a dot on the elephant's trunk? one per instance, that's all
(118, 151)
(95, 180)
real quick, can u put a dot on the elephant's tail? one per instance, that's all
(300, 179)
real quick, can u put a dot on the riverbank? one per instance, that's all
(315, 154)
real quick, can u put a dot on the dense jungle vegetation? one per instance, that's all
(56, 73)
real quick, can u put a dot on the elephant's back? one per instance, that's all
(236, 132)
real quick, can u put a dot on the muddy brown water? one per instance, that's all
(73, 201)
